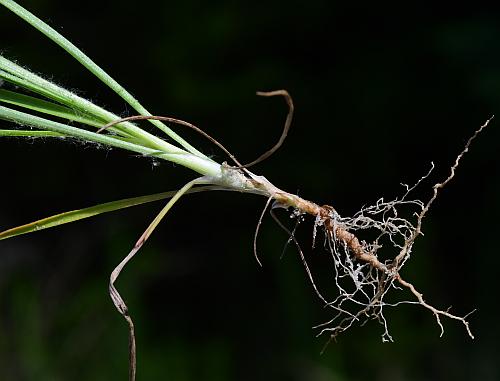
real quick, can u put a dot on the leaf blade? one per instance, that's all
(31, 134)
(43, 106)
(95, 69)
(80, 214)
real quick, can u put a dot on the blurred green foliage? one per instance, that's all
(379, 92)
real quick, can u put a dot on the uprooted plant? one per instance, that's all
(362, 277)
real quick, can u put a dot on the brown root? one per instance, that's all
(362, 279)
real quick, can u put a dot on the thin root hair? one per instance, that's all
(362, 279)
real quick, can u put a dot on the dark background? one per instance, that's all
(379, 94)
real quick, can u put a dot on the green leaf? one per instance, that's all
(17, 75)
(80, 214)
(206, 167)
(81, 57)
(13, 73)
(45, 107)
(31, 134)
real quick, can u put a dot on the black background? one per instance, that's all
(379, 94)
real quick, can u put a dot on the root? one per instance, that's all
(363, 280)
(437, 313)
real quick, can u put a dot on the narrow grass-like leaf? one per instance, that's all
(31, 134)
(53, 92)
(201, 165)
(94, 69)
(45, 107)
(80, 214)
(113, 292)
(12, 72)
(45, 134)
(19, 76)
